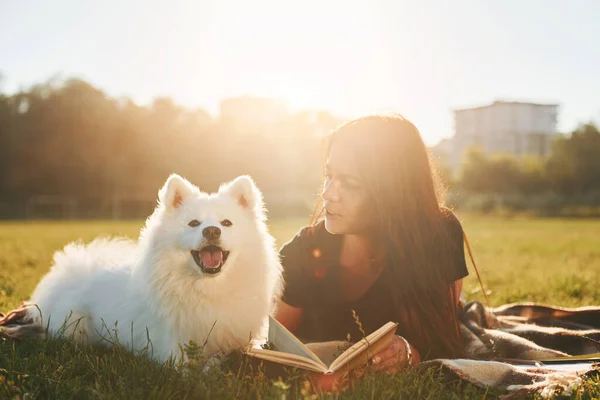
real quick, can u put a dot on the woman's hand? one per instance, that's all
(390, 360)
(395, 357)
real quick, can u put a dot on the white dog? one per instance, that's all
(205, 269)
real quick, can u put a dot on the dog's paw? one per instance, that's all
(19, 324)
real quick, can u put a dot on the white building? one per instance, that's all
(504, 126)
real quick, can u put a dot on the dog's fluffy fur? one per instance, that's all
(154, 293)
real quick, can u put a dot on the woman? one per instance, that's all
(383, 249)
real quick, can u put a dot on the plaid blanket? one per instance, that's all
(524, 331)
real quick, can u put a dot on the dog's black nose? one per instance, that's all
(211, 232)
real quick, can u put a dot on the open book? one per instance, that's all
(290, 351)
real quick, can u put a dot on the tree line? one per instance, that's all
(63, 142)
(569, 178)
(67, 145)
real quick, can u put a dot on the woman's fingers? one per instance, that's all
(386, 364)
(391, 360)
(393, 356)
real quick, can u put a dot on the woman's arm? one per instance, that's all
(289, 316)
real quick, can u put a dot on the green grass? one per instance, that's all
(545, 260)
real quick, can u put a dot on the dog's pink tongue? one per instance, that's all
(211, 260)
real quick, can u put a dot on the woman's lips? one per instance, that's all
(331, 214)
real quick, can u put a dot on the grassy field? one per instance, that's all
(546, 260)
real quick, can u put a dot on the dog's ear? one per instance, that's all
(245, 192)
(175, 191)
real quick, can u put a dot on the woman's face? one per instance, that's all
(344, 193)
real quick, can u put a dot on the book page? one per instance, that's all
(291, 360)
(364, 349)
(285, 341)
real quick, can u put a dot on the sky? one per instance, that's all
(421, 59)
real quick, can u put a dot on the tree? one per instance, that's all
(474, 175)
(502, 174)
(574, 165)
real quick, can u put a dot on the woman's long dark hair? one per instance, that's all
(409, 225)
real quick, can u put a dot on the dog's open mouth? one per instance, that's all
(210, 259)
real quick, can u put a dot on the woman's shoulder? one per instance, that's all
(450, 218)
(455, 233)
(309, 237)
(453, 226)
(305, 259)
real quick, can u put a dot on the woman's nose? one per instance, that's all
(330, 191)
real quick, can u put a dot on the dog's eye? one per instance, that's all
(194, 223)
(226, 222)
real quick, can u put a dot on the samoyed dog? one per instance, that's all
(204, 269)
